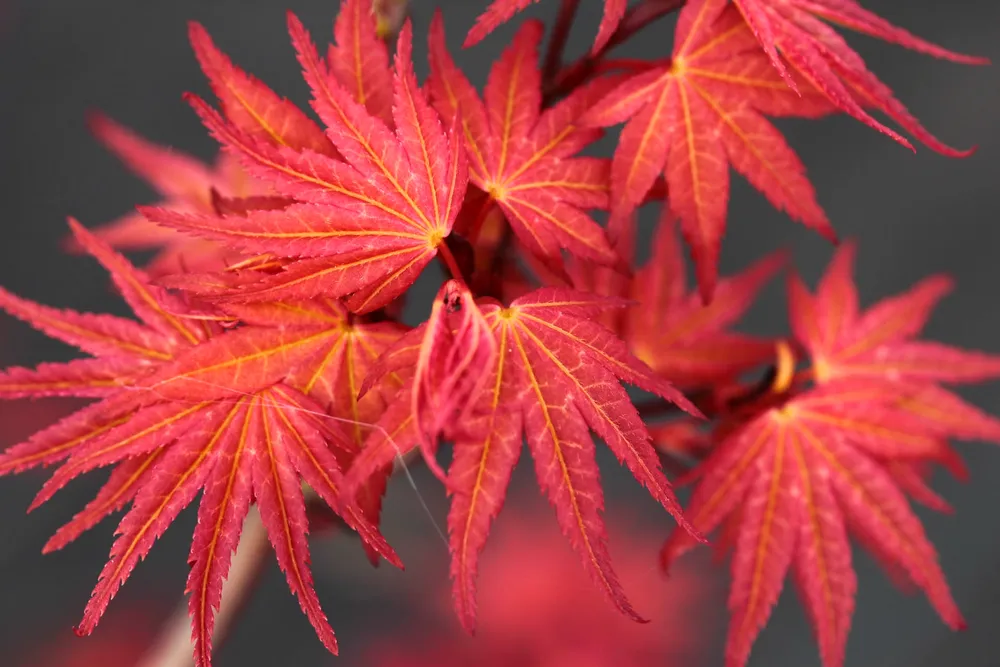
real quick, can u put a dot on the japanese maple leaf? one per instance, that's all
(366, 226)
(812, 48)
(186, 184)
(123, 350)
(696, 116)
(501, 11)
(523, 157)
(556, 377)
(186, 412)
(670, 328)
(358, 61)
(844, 341)
(880, 343)
(251, 106)
(334, 375)
(539, 609)
(794, 478)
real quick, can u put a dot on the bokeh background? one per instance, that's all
(913, 214)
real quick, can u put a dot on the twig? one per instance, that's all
(635, 19)
(174, 647)
(560, 33)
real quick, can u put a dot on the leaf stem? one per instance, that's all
(174, 647)
(448, 259)
(635, 20)
(477, 224)
(560, 33)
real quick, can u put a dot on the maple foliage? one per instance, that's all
(186, 184)
(365, 227)
(704, 110)
(185, 407)
(677, 335)
(522, 157)
(270, 368)
(801, 468)
(555, 378)
(694, 117)
(799, 31)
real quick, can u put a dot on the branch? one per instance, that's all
(174, 647)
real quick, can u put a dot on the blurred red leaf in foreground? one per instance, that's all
(125, 635)
(538, 608)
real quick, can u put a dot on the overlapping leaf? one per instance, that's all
(791, 481)
(368, 225)
(812, 49)
(188, 412)
(672, 330)
(123, 350)
(844, 341)
(334, 374)
(556, 377)
(501, 11)
(795, 469)
(251, 106)
(693, 118)
(880, 343)
(186, 184)
(521, 156)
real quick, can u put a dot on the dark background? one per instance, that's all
(914, 215)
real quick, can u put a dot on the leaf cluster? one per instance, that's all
(268, 365)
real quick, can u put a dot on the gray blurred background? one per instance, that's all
(914, 215)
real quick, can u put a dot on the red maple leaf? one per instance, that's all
(673, 330)
(182, 411)
(186, 184)
(555, 378)
(813, 49)
(367, 226)
(251, 106)
(334, 375)
(879, 344)
(793, 471)
(694, 117)
(791, 479)
(501, 11)
(845, 342)
(522, 157)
